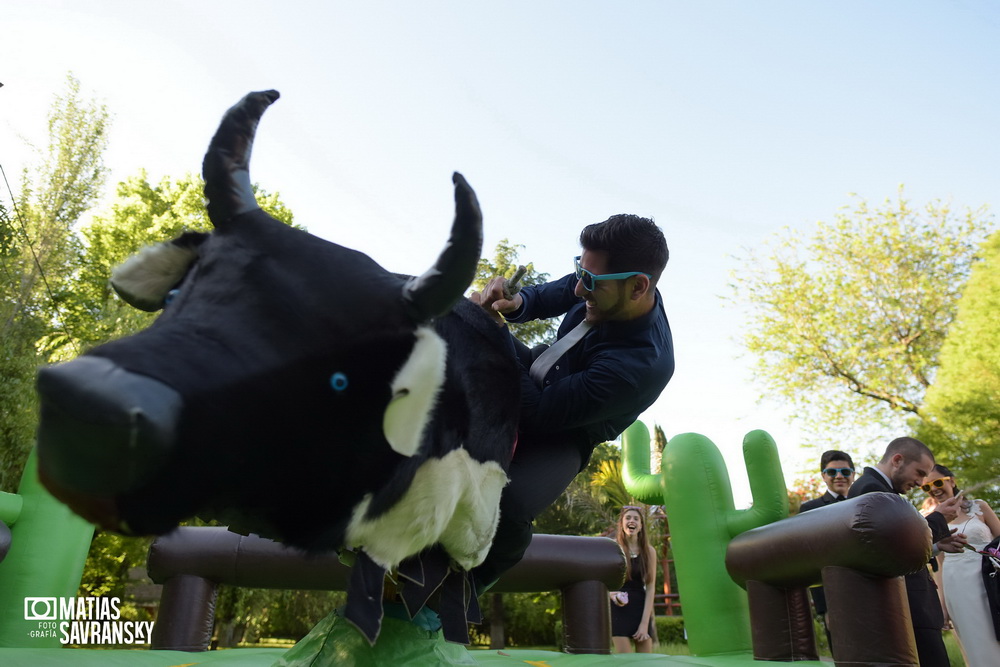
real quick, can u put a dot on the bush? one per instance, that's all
(530, 619)
(670, 629)
(248, 614)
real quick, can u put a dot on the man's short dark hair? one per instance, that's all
(911, 449)
(631, 242)
(834, 455)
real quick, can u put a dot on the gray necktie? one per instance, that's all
(540, 367)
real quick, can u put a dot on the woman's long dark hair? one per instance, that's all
(642, 538)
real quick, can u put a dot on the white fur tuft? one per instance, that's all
(453, 500)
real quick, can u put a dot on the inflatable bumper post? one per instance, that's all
(859, 549)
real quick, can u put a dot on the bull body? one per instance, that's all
(292, 388)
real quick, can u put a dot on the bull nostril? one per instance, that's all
(102, 428)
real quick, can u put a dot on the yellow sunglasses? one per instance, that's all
(937, 484)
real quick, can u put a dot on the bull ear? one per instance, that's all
(226, 166)
(145, 279)
(434, 292)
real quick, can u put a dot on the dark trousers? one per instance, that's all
(542, 468)
(819, 602)
(927, 617)
(930, 648)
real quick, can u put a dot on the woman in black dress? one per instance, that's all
(632, 606)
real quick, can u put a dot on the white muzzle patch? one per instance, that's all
(414, 393)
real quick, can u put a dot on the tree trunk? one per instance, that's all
(497, 635)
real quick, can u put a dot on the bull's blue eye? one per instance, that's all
(170, 296)
(338, 381)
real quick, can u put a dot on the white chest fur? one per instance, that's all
(453, 500)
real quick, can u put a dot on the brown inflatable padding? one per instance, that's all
(869, 619)
(190, 562)
(781, 623)
(586, 618)
(186, 614)
(876, 533)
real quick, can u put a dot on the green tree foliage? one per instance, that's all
(37, 251)
(505, 262)
(846, 325)
(608, 486)
(529, 619)
(140, 215)
(54, 196)
(961, 415)
(251, 614)
(106, 573)
(19, 328)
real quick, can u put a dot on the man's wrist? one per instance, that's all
(514, 313)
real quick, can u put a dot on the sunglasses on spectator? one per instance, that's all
(589, 279)
(937, 484)
(833, 472)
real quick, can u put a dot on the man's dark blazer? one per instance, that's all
(818, 596)
(925, 607)
(826, 499)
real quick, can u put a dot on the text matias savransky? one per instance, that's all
(84, 620)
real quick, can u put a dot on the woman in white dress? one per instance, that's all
(960, 575)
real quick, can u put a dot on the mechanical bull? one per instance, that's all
(295, 389)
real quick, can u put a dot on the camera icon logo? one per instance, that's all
(40, 609)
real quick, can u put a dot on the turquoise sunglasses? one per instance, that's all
(589, 279)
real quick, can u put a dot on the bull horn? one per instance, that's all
(437, 290)
(226, 166)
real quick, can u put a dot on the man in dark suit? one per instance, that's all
(837, 469)
(903, 467)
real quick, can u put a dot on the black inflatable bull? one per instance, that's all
(295, 389)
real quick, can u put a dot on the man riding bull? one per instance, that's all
(613, 356)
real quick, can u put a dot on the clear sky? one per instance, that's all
(724, 121)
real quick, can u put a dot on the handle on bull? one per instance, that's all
(512, 285)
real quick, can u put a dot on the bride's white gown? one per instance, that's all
(965, 595)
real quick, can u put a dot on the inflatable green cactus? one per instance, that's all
(48, 549)
(695, 490)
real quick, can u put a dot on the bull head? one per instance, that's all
(291, 386)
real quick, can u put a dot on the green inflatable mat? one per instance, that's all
(334, 642)
(267, 657)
